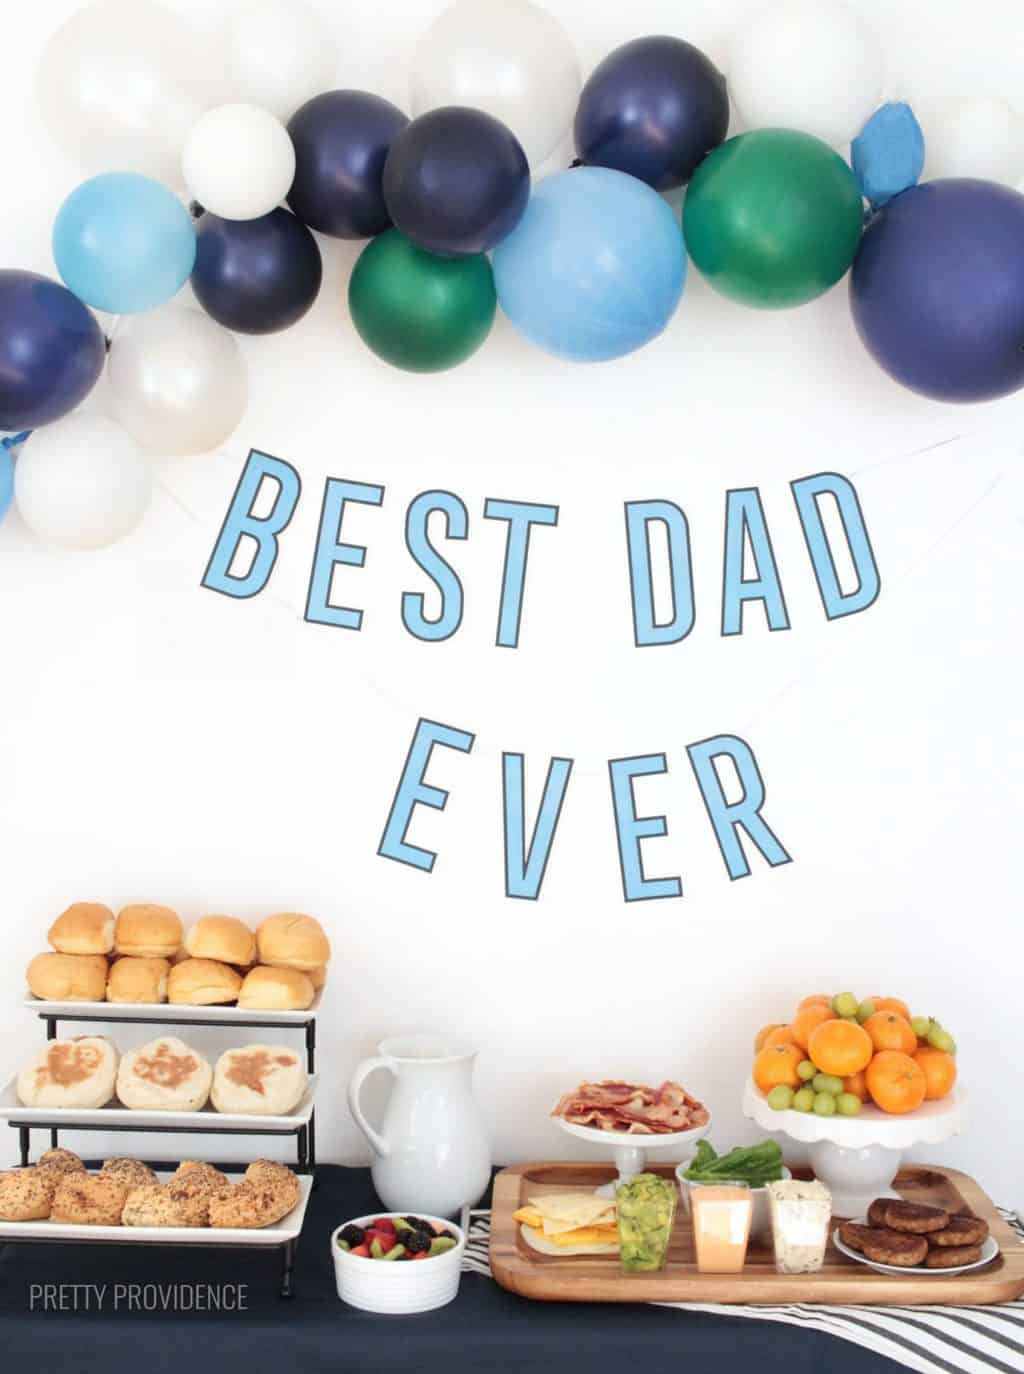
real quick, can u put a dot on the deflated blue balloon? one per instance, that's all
(654, 108)
(595, 268)
(341, 143)
(937, 289)
(52, 350)
(124, 243)
(456, 181)
(888, 154)
(256, 276)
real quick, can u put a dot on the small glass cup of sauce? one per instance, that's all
(721, 1214)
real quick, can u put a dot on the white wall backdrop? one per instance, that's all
(161, 743)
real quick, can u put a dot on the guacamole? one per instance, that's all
(646, 1208)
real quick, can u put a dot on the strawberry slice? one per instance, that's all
(362, 1250)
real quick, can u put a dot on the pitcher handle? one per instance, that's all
(362, 1073)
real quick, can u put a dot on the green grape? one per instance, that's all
(833, 1001)
(780, 1098)
(803, 1100)
(848, 1104)
(853, 1019)
(941, 1039)
(867, 1008)
(827, 1083)
(806, 1070)
(824, 1104)
(845, 1004)
(921, 1025)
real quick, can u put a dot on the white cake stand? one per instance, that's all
(857, 1157)
(630, 1151)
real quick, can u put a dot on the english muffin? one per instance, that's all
(898, 1248)
(70, 1073)
(89, 1200)
(963, 1229)
(914, 1217)
(952, 1256)
(26, 1194)
(164, 1075)
(258, 1080)
(131, 1172)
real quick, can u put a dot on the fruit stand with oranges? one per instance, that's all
(838, 1053)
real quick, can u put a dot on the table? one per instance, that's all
(485, 1329)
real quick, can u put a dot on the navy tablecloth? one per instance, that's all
(485, 1329)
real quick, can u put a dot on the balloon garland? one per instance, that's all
(588, 264)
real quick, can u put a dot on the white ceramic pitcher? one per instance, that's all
(431, 1154)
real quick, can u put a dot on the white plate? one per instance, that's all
(286, 1229)
(113, 1114)
(989, 1251)
(164, 1013)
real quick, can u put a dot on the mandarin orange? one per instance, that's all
(857, 1084)
(840, 1048)
(896, 1082)
(775, 1065)
(890, 1031)
(939, 1072)
(781, 1035)
(763, 1034)
(895, 1004)
(806, 1021)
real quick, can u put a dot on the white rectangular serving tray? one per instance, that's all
(114, 1114)
(169, 1012)
(280, 1233)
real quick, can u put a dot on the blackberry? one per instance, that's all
(417, 1242)
(352, 1236)
(417, 1223)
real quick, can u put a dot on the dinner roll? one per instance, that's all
(276, 989)
(158, 1205)
(202, 983)
(138, 980)
(150, 932)
(61, 1161)
(261, 1199)
(89, 1200)
(290, 940)
(84, 928)
(258, 1080)
(26, 1194)
(318, 977)
(224, 938)
(130, 1171)
(164, 1075)
(68, 977)
(70, 1073)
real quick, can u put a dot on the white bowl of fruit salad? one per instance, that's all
(398, 1263)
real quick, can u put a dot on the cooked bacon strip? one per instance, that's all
(632, 1109)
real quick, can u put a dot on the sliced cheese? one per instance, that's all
(573, 1209)
(562, 1248)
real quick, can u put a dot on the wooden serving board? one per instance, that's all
(842, 1281)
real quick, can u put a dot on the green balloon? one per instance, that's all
(417, 311)
(773, 218)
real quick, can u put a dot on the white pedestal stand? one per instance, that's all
(630, 1151)
(857, 1157)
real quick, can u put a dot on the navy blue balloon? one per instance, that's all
(52, 350)
(256, 276)
(937, 289)
(654, 108)
(341, 143)
(456, 181)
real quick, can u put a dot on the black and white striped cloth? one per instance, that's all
(932, 1340)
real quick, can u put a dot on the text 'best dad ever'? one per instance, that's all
(246, 551)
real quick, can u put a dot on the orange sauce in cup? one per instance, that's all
(721, 1215)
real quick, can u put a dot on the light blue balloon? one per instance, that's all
(887, 155)
(595, 268)
(6, 481)
(124, 243)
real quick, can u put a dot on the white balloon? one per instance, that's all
(120, 84)
(807, 64)
(82, 483)
(178, 380)
(239, 161)
(507, 57)
(280, 53)
(976, 138)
